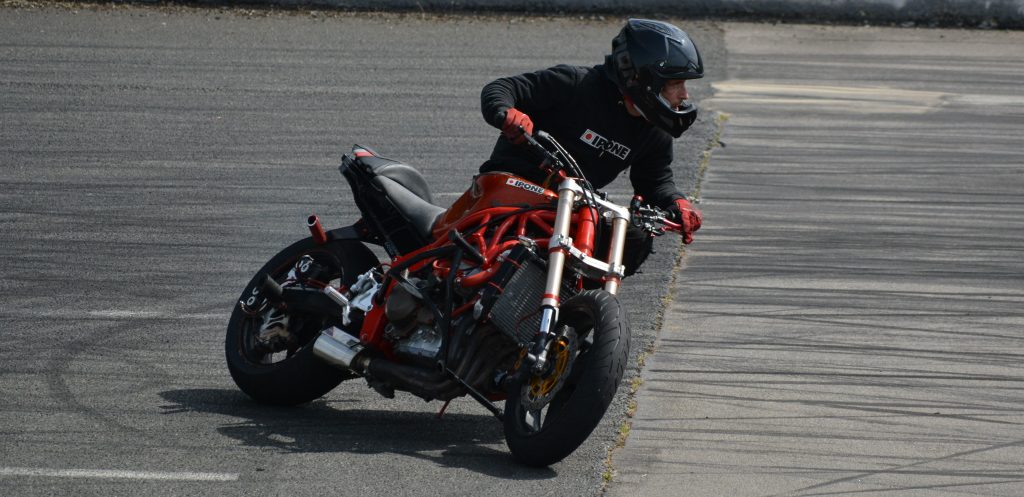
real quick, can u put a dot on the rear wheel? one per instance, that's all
(547, 418)
(283, 370)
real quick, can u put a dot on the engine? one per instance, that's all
(476, 353)
(411, 324)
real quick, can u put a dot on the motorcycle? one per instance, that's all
(508, 295)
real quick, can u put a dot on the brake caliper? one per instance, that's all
(542, 388)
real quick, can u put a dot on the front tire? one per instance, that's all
(545, 435)
(297, 377)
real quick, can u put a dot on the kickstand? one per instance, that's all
(443, 408)
(477, 396)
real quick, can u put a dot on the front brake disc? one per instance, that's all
(540, 389)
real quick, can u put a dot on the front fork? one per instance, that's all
(559, 249)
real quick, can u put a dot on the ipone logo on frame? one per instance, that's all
(518, 183)
(601, 143)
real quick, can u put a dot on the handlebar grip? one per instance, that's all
(672, 226)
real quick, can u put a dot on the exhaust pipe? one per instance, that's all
(341, 350)
(337, 348)
(316, 230)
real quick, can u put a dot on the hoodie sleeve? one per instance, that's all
(651, 173)
(530, 92)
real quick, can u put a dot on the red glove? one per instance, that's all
(684, 213)
(513, 120)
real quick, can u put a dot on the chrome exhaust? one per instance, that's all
(337, 348)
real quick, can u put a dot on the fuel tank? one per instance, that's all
(493, 189)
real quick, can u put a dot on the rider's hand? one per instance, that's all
(513, 120)
(683, 212)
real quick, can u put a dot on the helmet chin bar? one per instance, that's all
(672, 121)
(683, 107)
(660, 113)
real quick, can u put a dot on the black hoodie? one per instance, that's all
(583, 109)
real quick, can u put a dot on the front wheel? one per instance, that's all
(591, 358)
(287, 372)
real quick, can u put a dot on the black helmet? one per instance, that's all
(644, 56)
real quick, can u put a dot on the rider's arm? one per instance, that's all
(651, 172)
(531, 93)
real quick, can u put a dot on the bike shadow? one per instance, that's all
(456, 440)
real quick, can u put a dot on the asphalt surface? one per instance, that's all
(847, 322)
(152, 159)
(851, 318)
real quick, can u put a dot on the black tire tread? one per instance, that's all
(303, 377)
(605, 365)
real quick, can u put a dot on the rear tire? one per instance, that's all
(549, 434)
(300, 377)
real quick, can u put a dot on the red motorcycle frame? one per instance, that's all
(467, 305)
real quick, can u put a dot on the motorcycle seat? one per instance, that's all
(406, 190)
(399, 172)
(420, 213)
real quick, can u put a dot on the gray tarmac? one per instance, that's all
(848, 320)
(152, 159)
(851, 318)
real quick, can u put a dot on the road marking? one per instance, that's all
(126, 314)
(117, 314)
(119, 474)
(130, 314)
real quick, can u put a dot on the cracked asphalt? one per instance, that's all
(847, 321)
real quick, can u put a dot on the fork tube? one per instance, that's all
(556, 265)
(611, 285)
(556, 257)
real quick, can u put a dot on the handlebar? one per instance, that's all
(557, 160)
(651, 219)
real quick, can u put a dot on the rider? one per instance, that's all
(617, 115)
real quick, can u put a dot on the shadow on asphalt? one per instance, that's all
(456, 440)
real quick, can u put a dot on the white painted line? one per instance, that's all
(131, 314)
(117, 314)
(126, 314)
(118, 474)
